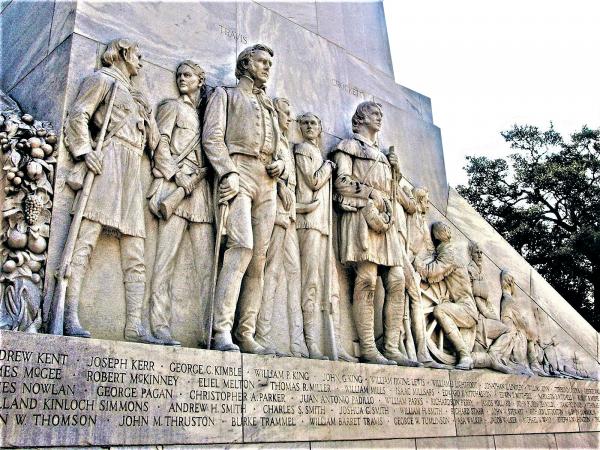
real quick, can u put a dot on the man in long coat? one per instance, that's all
(180, 135)
(368, 237)
(116, 200)
(240, 138)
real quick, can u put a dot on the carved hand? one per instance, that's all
(285, 194)
(184, 181)
(229, 187)
(395, 163)
(377, 199)
(275, 168)
(93, 160)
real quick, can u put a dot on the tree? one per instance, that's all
(545, 200)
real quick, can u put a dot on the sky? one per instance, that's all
(488, 64)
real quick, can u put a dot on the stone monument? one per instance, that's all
(184, 263)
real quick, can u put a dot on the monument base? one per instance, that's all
(62, 391)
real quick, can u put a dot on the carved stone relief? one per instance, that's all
(28, 173)
(262, 206)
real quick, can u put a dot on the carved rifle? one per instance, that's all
(223, 210)
(326, 305)
(64, 272)
(408, 336)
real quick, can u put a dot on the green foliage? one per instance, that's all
(545, 200)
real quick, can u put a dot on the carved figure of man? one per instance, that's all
(489, 326)
(523, 354)
(240, 138)
(313, 225)
(460, 311)
(283, 255)
(179, 125)
(116, 200)
(409, 207)
(368, 237)
(419, 236)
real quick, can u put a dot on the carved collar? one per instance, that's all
(116, 74)
(361, 138)
(247, 84)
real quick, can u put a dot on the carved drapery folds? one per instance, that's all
(28, 171)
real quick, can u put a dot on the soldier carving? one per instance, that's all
(283, 256)
(457, 317)
(368, 237)
(109, 104)
(240, 138)
(319, 272)
(180, 196)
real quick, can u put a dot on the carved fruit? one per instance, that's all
(41, 132)
(47, 149)
(36, 244)
(9, 266)
(51, 138)
(27, 118)
(37, 152)
(34, 142)
(17, 240)
(33, 205)
(34, 170)
(17, 181)
(10, 175)
(36, 278)
(34, 265)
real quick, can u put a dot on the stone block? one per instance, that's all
(303, 13)
(464, 216)
(525, 441)
(4, 4)
(489, 403)
(262, 446)
(373, 84)
(63, 22)
(456, 443)
(169, 32)
(360, 28)
(91, 392)
(334, 401)
(563, 313)
(577, 441)
(380, 444)
(26, 37)
(42, 91)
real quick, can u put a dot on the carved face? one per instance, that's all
(310, 127)
(476, 255)
(133, 61)
(423, 203)
(283, 116)
(259, 66)
(442, 232)
(187, 80)
(373, 119)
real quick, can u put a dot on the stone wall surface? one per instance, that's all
(329, 57)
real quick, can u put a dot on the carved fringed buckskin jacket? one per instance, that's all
(361, 167)
(116, 198)
(179, 125)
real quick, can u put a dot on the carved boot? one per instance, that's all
(343, 355)
(224, 343)
(164, 334)
(364, 319)
(71, 326)
(465, 362)
(134, 330)
(310, 329)
(393, 310)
